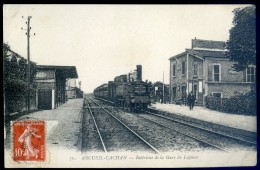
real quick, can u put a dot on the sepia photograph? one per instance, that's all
(129, 86)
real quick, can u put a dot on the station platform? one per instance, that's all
(244, 122)
(62, 124)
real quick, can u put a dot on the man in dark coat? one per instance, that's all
(191, 100)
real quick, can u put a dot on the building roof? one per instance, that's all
(205, 48)
(207, 44)
(201, 54)
(206, 53)
(64, 71)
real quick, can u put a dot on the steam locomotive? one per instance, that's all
(127, 91)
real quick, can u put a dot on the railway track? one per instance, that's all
(96, 126)
(220, 142)
(90, 138)
(210, 137)
(178, 142)
(113, 134)
(221, 130)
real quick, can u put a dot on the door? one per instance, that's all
(174, 93)
(195, 91)
(45, 99)
(183, 92)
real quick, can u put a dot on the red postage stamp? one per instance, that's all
(29, 141)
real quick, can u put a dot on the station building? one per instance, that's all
(71, 88)
(51, 85)
(206, 70)
(72, 91)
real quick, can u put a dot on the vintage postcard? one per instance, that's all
(117, 86)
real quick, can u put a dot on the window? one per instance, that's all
(250, 74)
(183, 67)
(216, 72)
(195, 65)
(218, 95)
(173, 70)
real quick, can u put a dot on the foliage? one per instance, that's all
(242, 40)
(237, 104)
(15, 79)
(213, 103)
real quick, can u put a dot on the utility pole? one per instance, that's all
(28, 58)
(28, 55)
(163, 87)
(79, 85)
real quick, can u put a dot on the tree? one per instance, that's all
(15, 79)
(241, 45)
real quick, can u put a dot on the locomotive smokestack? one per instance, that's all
(139, 72)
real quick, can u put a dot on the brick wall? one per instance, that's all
(227, 90)
(227, 73)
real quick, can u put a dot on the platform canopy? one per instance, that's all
(63, 71)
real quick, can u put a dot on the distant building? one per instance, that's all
(157, 92)
(72, 91)
(206, 70)
(71, 88)
(51, 85)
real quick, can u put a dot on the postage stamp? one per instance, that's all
(29, 141)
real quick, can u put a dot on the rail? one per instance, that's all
(194, 126)
(100, 137)
(153, 148)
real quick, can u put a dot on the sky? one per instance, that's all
(104, 41)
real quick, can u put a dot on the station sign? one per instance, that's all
(41, 75)
(47, 74)
(233, 72)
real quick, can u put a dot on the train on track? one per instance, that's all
(127, 91)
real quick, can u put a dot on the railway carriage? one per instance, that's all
(127, 91)
(102, 91)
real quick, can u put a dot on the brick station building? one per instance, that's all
(51, 85)
(206, 70)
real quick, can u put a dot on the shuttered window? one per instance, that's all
(216, 72)
(173, 69)
(183, 67)
(195, 65)
(250, 74)
(209, 72)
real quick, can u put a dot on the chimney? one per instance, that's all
(139, 72)
(193, 43)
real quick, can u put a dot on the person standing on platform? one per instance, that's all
(191, 100)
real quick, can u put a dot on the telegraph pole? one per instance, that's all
(28, 55)
(28, 58)
(80, 85)
(163, 87)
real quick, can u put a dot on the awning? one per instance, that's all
(63, 71)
